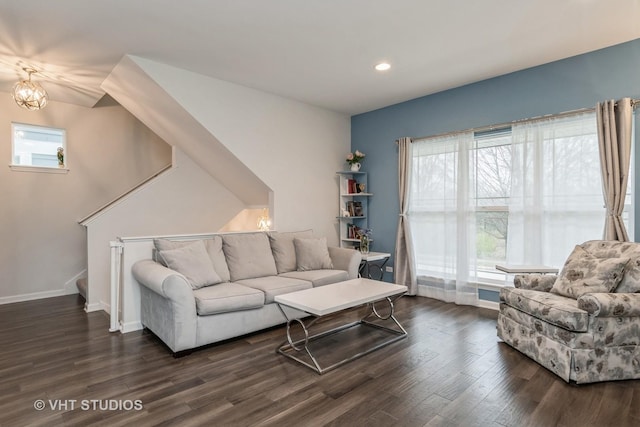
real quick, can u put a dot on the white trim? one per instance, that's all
(39, 169)
(71, 286)
(493, 286)
(165, 171)
(37, 295)
(96, 306)
(491, 305)
(130, 327)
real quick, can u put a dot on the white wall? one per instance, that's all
(294, 148)
(183, 200)
(108, 152)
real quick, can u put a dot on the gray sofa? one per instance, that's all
(583, 325)
(197, 292)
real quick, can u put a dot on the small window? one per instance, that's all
(38, 146)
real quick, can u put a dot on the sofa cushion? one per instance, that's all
(276, 285)
(248, 256)
(584, 273)
(555, 309)
(192, 261)
(319, 277)
(284, 252)
(312, 254)
(630, 282)
(227, 297)
(214, 249)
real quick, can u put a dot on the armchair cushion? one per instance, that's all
(555, 309)
(630, 282)
(583, 273)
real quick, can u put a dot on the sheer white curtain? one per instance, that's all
(556, 191)
(442, 218)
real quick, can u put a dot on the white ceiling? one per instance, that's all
(321, 52)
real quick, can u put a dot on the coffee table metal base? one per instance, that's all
(292, 349)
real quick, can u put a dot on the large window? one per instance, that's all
(37, 146)
(525, 194)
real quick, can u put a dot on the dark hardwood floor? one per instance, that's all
(450, 371)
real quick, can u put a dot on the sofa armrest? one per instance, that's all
(346, 259)
(162, 280)
(169, 310)
(535, 282)
(610, 304)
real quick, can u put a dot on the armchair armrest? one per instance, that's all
(346, 259)
(535, 282)
(610, 304)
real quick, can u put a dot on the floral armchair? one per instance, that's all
(584, 324)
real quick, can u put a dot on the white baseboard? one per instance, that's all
(130, 327)
(97, 306)
(69, 288)
(37, 295)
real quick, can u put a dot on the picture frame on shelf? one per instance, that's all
(357, 209)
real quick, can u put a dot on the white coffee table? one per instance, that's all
(329, 299)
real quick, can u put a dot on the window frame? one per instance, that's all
(18, 126)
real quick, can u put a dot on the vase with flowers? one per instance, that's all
(354, 160)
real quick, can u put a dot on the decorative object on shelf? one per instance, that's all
(28, 94)
(60, 157)
(264, 223)
(354, 160)
(365, 240)
(361, 187)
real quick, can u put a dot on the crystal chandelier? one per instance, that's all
(28, 94)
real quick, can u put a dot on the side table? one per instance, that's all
(372, 265)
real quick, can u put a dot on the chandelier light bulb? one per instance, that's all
(28, 94)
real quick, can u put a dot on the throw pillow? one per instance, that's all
(213, 246)
(584, 274)
(192, 261)
(284, 252)
(312, 254)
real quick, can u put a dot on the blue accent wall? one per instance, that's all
(569, 84)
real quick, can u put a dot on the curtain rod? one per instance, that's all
(634, 102)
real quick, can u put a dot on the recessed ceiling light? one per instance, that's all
(383, 66)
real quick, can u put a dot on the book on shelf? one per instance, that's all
(353, 231)
(351, 208)
(352, 186)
